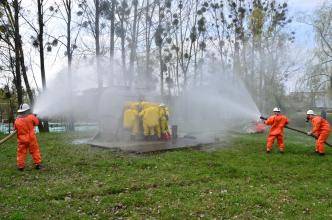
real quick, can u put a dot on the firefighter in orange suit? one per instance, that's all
(26, 137)
(277, 123)
(321, 129)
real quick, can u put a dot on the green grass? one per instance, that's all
(235, 181)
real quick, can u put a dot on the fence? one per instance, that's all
(53, 127)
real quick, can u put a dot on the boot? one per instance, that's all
(39, 167)
(154, 137)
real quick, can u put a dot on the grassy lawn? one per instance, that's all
(235, 181)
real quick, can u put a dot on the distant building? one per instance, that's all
(314, 100)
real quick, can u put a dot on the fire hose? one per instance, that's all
(299, 131)
(7, 137)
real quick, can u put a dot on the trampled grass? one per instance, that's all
(238, 180)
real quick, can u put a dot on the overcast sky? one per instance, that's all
(304, 4)
(305, 37)
(297, 8)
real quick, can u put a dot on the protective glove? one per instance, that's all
(309, 133)
(262, 118)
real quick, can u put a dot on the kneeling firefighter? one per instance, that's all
(150, 118)
(321, 128)
(26, 137)
(277, 123)
(130, 119)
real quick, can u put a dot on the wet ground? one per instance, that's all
(147, 146)
(142, 146)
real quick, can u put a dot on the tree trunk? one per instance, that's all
(97, 41)
(260, 72)
(17, 39)
(71, 122)
(41, 42)
(112, 41)
(123, 49)
(133, 44)
(148, 25)
(25, 76)
(43, 127)
(161, 63)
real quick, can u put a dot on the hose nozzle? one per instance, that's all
(263, 118)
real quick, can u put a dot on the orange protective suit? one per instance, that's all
(26, 139)
(277, 123)
(321, 128)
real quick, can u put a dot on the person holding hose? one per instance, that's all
(277, 123)
(26, 137)
(321, 129)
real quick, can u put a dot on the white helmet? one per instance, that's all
(24, 107)
(310, 112)
(162, 105)
(276, 109)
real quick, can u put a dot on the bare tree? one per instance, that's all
(133, 43)
(41, 40)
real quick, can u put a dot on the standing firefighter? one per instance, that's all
(277, 123)
(26, 137)
(163, 115)
(130, 119)
(150, 118)
(320, 128)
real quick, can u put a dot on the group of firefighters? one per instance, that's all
(148, 119)
(153, 120)
(320, 129)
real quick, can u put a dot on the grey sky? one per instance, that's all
(297, 8)
(304, 5)
(304, 32)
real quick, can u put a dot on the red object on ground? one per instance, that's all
(166, 136)
(259, 127)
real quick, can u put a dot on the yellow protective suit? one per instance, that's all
(145, 104)
(150, 117)
(163, 117)
(130, 118)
